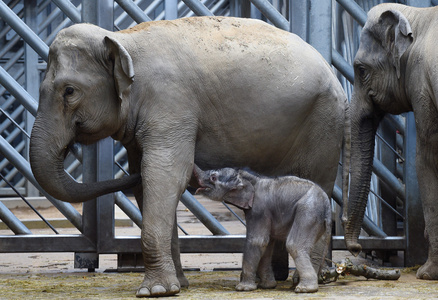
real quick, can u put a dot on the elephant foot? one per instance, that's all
(246, 286)
(309, 287)
(428, 271)
(268, 284)
(158, 287)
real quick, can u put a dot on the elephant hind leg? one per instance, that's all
(301, 241)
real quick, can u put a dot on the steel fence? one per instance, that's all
(27, 27)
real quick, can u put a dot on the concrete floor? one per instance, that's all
(52, 275)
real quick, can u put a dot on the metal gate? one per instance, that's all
(332, 27)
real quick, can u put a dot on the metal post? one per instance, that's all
(299, 18)
(32, 79)
(320, 27)
(419, 3)
(416, 250)
(171, 9)
(98, 160)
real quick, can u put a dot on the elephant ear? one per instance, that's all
(123, 67)
(242, 196)
(396, 35)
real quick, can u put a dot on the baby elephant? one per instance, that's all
(285, 208)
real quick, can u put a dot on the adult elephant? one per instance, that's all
(215, 91)
(396, 71)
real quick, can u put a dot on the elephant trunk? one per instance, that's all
(364, 123)
(47, 163)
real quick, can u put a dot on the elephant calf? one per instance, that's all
(285, 208)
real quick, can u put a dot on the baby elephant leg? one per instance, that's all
(254, 250)
(265, 271)
(303, 235)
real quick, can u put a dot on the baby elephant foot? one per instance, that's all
(428, 271)
(309, 287)
(246, 286)
(156, 288)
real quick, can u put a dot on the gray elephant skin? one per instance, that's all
(212, 90)
(284, 208)
(396, 71)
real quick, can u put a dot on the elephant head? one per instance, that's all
(81, 100)
(226, 185)
(379, 74)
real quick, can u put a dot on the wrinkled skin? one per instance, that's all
(218, 91)
(396, 71)
(286, 208)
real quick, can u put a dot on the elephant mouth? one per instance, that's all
(202, 190)
(202, 187)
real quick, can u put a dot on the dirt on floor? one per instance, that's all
(203, 285)
(211, 276)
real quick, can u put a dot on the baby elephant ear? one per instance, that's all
(123, 67)
(242, 196)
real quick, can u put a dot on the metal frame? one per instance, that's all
(310, 19)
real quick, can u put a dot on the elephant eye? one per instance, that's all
(362, 72)
(213, 178)
(69, 91)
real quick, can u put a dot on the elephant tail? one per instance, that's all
(346, 158)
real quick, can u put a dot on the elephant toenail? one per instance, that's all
(174, 289)
(158, 290)
(143, 292)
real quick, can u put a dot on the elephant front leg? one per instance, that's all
(428, 183)
(254, 250)
(265, 271)
(163, 186)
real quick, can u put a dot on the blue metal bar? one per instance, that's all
(273, 15)
(13, 122)
(24, 168)
(299, 18)
(419, 3)
(342, 65)
(24, 31)
(386, 176)
(12, 221)
(28, 203)
(320, 27)
(354, 10)
(128, 208)
(18, 91)
(203, 215)
(198, 8)
(69, 9)
(133, 11)
(170, 7)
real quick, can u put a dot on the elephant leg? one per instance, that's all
(165, 174)
(134, 167)
(302, 238)
(176, 256)
(265, 272)
(253, 252)
(428, 184)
